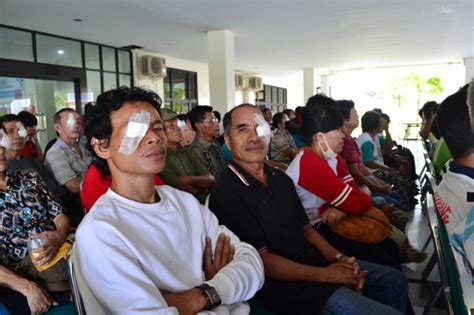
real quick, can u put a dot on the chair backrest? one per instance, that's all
(446, 264)
(457, 300)
(76, 295)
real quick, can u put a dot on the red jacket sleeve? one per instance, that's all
(93, 186)
(338, 190)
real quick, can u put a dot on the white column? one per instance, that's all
(324, 85)
(220, 46)
(308, 83)
(469, 68)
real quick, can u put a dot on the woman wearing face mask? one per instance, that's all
(327, 190)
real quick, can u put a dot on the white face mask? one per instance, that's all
(329, 153)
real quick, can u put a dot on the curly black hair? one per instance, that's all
(99, 125)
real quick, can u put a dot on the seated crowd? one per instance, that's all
(288, 210)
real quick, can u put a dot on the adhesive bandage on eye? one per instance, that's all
(71, 121)
(137, 127)
(263, 128)
(4, 140)
(286, 118)
(21, 129)
(180, 123)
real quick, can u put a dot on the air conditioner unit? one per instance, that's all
(239, 82)
(153, 66)
(255, 83)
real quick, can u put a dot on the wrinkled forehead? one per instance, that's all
(121, 117)
(245, 115)
(11, 124)
(65, 115)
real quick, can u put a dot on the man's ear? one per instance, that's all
(57, 127)
(101, 148)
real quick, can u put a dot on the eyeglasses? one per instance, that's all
(210, 121)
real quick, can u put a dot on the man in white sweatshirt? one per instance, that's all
(153, 250)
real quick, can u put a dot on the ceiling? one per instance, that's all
(271, 37)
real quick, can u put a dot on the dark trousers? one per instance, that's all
(385, 253)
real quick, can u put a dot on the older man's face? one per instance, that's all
(16, 142)
(242, 140)
(70, 126)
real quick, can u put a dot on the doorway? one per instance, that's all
(41, 97)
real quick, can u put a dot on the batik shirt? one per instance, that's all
(26, 207)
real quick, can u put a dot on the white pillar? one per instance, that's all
(308, 83)
(469, 68)
(324, 85)
(220, 46)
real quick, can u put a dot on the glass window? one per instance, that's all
(108, 59)
(125, 79)
(110, 81)
(58, 51)
(92, 56)
(93, 85)
(15, 45)
(124, 61)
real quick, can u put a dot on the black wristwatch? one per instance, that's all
(212, 296)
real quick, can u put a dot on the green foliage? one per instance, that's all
(422, 86)
(60, 100)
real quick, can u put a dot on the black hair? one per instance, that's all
(28, 119)
(217, 115)
(198, 114)
(288, 111)
(265, 110)
(344, 108)
(98, 122)
(385, 116)
(319, 119)
(57, 116)
(227, 120)
(429, 108)
(320, 100)
(182, 117)
(8, 118)
(370, 121)
(455, 125)
(435, 128)
(277, 118)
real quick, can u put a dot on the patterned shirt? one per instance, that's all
(210, 155)
(65, 163)
(26, 206)
(350, 152)
(280, 142)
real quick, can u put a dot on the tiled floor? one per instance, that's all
(418, 232)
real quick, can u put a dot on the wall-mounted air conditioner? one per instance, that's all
(153, 66)
(255, 83)
(239, 81)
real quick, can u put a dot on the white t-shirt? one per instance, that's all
(126, 252)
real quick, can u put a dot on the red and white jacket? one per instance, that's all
(321, 184)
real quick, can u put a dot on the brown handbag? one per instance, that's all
(370, 227)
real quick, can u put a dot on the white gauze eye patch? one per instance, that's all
(21, 129)
(180, 124)
(263, 128)
(4, 140)
(71, 121)
(286, 118)
(137, 127)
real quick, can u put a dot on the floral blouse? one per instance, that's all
(25, 207)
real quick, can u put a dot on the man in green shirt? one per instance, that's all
(183, 169)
